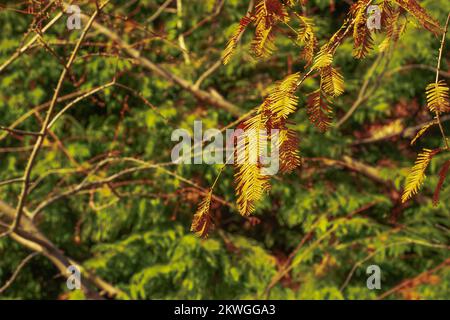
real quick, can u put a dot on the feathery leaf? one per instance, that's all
(323, 59)
(234, 40)
(417, 175)
(414, 8)
(362, 36)
(251, 184)
(437, 97)
(332, 81)
(422, 131)
(282, 100)
(307, 37)
(202, 222)
(318, 110)
(289, 155)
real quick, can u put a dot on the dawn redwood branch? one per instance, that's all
(89, 185)
(19, 132)
(10, 181)
(24, 48)
(207, 73)
(441, 50)
(357, 166)
(17, 271)
(78, 99)
(41, 138)
(405, 133)
(39, 108)
(417, 66)
(159, 11)
(201, 95)
(31, 237)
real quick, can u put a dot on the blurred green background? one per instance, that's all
(136, 235)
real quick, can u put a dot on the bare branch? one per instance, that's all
(17, 271)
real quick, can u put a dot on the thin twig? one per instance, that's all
(19, 132)
(441, 49)
(10, 181)
(41, 138)
(17, 271)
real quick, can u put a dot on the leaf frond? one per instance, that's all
(202, 221)
(363, 41)
(422, 131)
(438, 97)
(332, 81)
(415, 9)
(417, 176)
(307, 37)
(234, 40)
(251, 184)
(282, 100)
(289, 154)
(319, 111)
(323, 59)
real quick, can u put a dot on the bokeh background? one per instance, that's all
(312, 237)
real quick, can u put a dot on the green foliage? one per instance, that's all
(141, 241)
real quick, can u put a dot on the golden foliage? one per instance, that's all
(319, 111)
(282, 100)
(202, 222)
(267, 13)
(307, 37)
(251, 183)
(422, 131)
(394, 28)
(417, 175)
(289, 154)
(323, 59)
(234, 40)
(415, 9)
(263, 44)
(362, 36)
(332, 81)
(437, 97)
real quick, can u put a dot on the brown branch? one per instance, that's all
(19, 132)
(441, 49)
(10, 181)
(405, 133)
(201, 95)
(30, 236)
(24, 48)
(44, 131)
(347, 162)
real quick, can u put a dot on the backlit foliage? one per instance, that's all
(105, 192)
(437, 96)
(202, 223)
(282, 101)
(319, 111)
(417, 175)
(438, 102)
